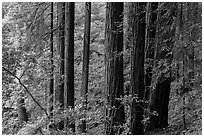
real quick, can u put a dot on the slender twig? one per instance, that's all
(26, 89)
(23, 73)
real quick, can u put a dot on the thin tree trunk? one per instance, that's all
(69, 62)
(183, 34)
(85, 73)
(193, 19)
(41, 25)
(137, 77)
(51, 86)
(114, 67)
(61, 39)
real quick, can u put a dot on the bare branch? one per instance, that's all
(26, 90)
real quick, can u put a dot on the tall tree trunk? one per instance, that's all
(69, 61)
(182, 27)
(85, 73)
(162, 84)
(151, 17)
(193, 19)
(114, 67)
(41, 25)
(128, 26)
(61, 40)
(137, 77)
(150, 34)
(51, 86)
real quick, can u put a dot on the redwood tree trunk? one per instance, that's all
(85, 73)
(137, 77)
(128, 28)
(69, 60)
(61, 42)
(151, 17)
(114, 67)
(51, 91)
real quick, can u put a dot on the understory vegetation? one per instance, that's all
(95, 68)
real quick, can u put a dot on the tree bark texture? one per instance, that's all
(61, 42)
(151, 17)
(137, 77)
(51, 86)
(128, 27)
(61, 39)
(150, 34)
(114, 67)
(69, 60)
(85, 73)
(193, 19)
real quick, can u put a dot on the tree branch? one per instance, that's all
(26, 90)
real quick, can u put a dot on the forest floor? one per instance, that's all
(193, 128)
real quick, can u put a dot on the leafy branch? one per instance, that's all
(26, 89)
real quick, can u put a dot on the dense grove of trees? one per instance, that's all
(101, 68)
